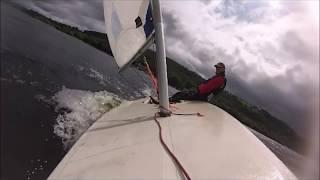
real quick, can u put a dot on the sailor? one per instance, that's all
(214, 86)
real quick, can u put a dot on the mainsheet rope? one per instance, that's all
(164, 145)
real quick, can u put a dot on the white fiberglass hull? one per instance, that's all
(124, 144)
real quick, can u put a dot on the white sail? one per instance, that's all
(129, 28)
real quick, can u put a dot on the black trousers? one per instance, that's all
(187, 95)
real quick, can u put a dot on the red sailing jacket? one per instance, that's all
(212, 84)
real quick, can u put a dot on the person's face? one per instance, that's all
(219, 70)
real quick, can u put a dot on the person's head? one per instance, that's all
(220, 68)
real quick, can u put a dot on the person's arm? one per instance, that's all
(211, 85)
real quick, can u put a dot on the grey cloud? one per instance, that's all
(269, 53)
(240, 38)
(209, 54)
(269, 93)
(206, 1)
(272, 61)
(172, 26)
(196, 49)
(176, 34)
(241, 10)
(296, 47)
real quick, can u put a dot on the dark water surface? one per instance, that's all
(37, 61)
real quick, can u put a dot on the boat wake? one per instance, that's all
(77, 111)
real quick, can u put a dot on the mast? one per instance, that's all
(161, 59)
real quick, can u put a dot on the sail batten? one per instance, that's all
(129, 28)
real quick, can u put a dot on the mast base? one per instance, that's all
(164, 113)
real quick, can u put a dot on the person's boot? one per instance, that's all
(173, 100)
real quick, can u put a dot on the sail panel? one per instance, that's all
(129, 26)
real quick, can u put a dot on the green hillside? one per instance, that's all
(182, 78)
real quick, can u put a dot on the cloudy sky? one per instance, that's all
(270, 48)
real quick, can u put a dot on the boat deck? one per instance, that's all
(124, 144)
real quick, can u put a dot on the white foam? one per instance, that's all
(6, 80)
(96, 75)
(20, 81)
(92, 73)
(15, 80)
(43, 98)
(81, 109)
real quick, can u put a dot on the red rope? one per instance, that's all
(152, 77)
(177, 162)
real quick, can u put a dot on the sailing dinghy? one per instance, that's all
(197, 141)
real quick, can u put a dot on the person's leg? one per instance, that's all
(182, 95)
(176, 97)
